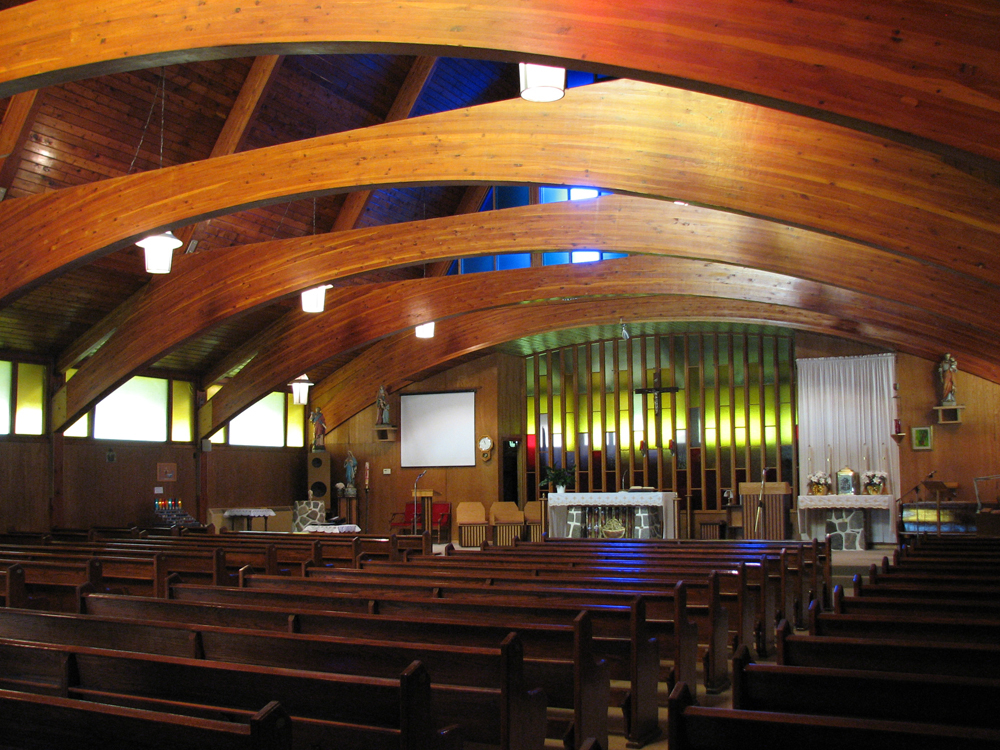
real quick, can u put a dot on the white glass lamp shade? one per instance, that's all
(542, 83)
(314, 300)
(159, 249)
(425, 331)
(300, 390)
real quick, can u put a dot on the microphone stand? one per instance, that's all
(415, 500)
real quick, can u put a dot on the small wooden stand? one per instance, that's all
(386, 433)
(951, 414)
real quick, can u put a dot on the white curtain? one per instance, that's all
(845, 412)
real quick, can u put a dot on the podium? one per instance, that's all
(423, 498)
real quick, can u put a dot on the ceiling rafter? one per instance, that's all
(206, 290)
(417, 77)
(305, 341)
(14, 133)
(868, 67)
(399, 359)
(707, 151)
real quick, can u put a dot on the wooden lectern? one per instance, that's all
(765, 509)
(423, 498)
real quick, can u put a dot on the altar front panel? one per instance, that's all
(663, 503)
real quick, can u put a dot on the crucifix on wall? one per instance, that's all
(657, 390)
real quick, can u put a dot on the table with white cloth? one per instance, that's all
(662, 504)
(808, 504)
(247, 514)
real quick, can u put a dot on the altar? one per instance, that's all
(849, 524)
(648, 513)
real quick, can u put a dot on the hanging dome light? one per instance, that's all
(314, 300)
(159, 250)
(300, 390)
(542, 83)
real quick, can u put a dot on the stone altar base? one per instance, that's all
(846, 529)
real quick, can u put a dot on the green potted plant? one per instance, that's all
(559, 478)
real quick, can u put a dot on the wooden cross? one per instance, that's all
(657, 390)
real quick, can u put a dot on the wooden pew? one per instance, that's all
(142, 572)
(543, 642)
(954, 608)
(30, 722)
(868, 694)
(58, 585)
(785, 590)
(888, 655)
(694, 727)
(926, 590)
(809, 563)
(328, 711)
(12, 586)
(662, 605)
(748, 599)
(911, 624)
(483, 689)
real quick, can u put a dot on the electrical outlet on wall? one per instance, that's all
(387, 471)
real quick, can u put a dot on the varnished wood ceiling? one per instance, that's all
(842, 163)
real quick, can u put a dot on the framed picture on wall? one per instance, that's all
(922, 438)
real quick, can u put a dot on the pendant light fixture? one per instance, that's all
(300, 390)
(542, 83)
(314, 300)
(425, 331)
(158, 248)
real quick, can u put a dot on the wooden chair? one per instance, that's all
(470, 518)
(533, 519)
(441, 522)
(507, 521)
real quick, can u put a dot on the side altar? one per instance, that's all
(848, 517)
(644, 514)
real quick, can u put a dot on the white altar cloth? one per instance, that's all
(560, 502)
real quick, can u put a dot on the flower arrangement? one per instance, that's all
(819, 483)
(874, 481)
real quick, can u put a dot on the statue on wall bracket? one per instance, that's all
(382, 407)
(947, 369)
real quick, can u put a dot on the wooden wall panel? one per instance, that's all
(389, 493)
(119, 493)
(25, 488)
(961, 452)
(249, 477)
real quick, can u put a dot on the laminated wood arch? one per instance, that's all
(205, 290)
(932, 70)
(359, 317)
(401, 359)
(628, 137)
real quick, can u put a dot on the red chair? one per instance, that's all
(404, 521)
(441, 522)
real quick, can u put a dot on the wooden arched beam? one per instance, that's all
(627, 137)
(358, 319)
(928, 69)
(204, 290)
(401, 359)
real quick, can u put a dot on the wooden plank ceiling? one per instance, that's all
(827, 167)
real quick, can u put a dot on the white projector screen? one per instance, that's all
(437, 429)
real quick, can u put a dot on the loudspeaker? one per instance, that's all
(318, 475)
